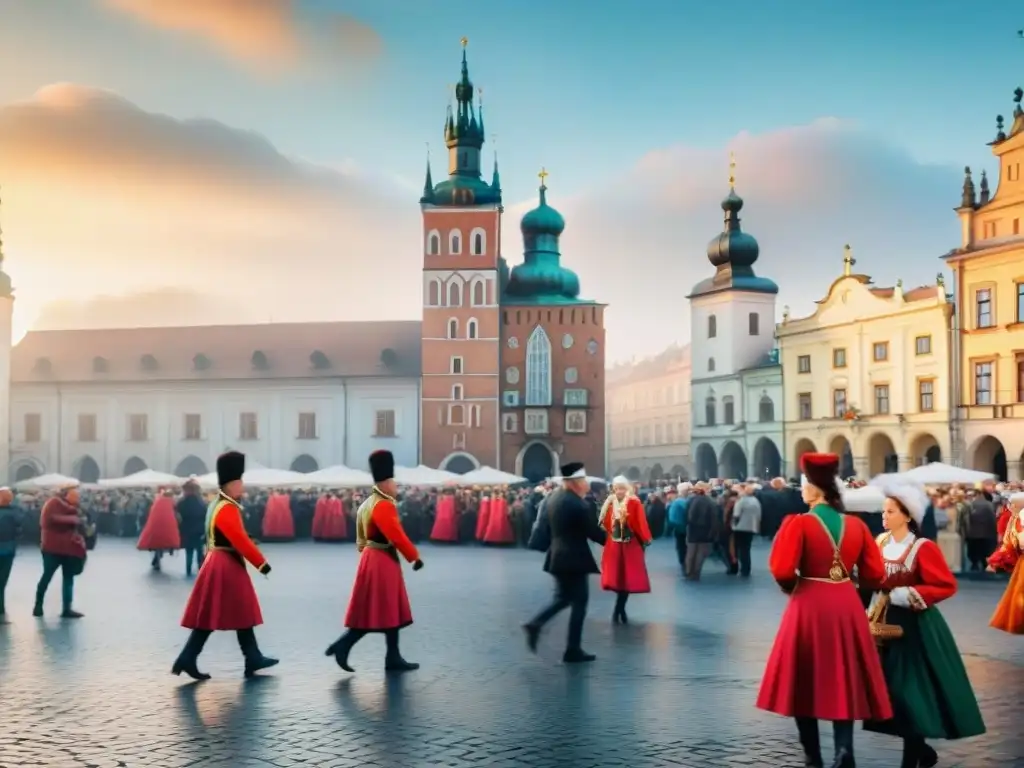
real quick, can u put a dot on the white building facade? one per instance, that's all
(303, 396)
(736, 391)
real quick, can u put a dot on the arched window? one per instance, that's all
(766, 409)
(478, 241)
(728, 411)
(434, 293)
(472, 328)
(479, 293)
(456, 414)
(455, 294)
(434, 243)
(453, 328)
(709, 412)
(454, 242)
(711, 365)
(538, 368)
(456, 391)
(712, 326)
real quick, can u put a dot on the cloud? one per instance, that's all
(104, 198)
(639, 241)
(272, 35)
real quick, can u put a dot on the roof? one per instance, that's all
(669, 360)
(190, 353)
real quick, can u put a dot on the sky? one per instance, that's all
(194, 161)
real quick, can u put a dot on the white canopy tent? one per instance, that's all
(146, 478)
(488, 476)
(48, 482)
(423, 475)
(339, 476)
(590, 479)
(261, 477)
(938, 473)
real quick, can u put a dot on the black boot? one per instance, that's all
(341, 648)
(619, 615)
(254, 658)
(810, 740)
(155, 565)
(928, 757)
(189, 656)
(842, 735)
(394, 662)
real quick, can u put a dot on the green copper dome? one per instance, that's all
(541, 278)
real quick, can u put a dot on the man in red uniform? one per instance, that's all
(379, 602)
(223, 597)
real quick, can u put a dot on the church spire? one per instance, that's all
(463, 132)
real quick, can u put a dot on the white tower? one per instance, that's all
(6, 333)
(732, 329)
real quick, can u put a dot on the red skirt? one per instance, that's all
(161, 531)
(623, 567)
(278, 523)
(446, 525)
(824, 663)
(499, 525)
(329, 522)
(483, 517)
(223, 597)
(379, 601)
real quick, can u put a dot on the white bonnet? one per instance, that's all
(621, 480)
(911, 496)
(1016, 498)
(840, 484)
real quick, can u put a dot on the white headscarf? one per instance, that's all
(622, 480)
(910, 495)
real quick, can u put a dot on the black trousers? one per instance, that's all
(742, 540)
(681, 547)
(6, 562)
(978, 551)
(571, 591)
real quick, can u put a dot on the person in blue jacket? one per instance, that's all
(677, 521)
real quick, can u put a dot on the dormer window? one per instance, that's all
(259, 361)
(201, 362)
(43, 365)
(149, 363)
(319, 361)
(99, 364)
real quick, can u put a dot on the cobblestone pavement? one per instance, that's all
(676, 688)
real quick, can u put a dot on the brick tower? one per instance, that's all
(461, 293)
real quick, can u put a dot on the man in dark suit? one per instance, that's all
(573, 524)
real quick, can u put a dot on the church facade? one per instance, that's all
(736, 391)
(513, 360)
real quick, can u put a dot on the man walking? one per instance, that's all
(10, 528)
(569, 560)
(702, 526)
(746, 522)
(677, 521)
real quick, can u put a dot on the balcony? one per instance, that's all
(988, 412)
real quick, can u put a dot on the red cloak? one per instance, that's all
(278, 523)
(379, 600)
(446, 523)
(223, 597)
(499, 524)
(161, 531)
(623, 566)
(329, 522)
(483, 516)
(824, 663)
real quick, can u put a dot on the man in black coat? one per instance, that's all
(572, 525)
(192, 525)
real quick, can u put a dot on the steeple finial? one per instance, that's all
(985, 194)
(465, 42)
(543, 176)
(848, 261)
(968, 198)
(732, 170)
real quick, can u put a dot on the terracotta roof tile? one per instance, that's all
(388, 348)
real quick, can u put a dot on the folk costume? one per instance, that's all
(63, 548)
(483, 518)
(499, 531)
(1009, 614)
(329, 521)
(223, 597)
(446, 520)
(278, 521)
(823, 665)
(928, 686)
(379, 601)
(161, 533)
(623, 569)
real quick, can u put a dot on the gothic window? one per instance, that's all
(434, 293)
(766, 409)
(454, 294)
(712, 326)
(728, 411)
(538, 368)
(709, 412)
(453, 328)
(454, 242)
(479, 297)
(472, 329)
(434, 243)
(478, 241)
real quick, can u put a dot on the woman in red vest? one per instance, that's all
(623, 570)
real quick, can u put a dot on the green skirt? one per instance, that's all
(928, 686)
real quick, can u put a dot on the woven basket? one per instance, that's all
(880, 629)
